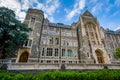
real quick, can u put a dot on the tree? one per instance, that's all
(13, 33)
(118, 53)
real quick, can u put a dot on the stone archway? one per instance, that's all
(99, 54)
(24, 57)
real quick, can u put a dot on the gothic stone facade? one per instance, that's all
(82, 42)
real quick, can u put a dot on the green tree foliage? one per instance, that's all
(13, 33)
(118, 53)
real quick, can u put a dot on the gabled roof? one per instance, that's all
(87, 13)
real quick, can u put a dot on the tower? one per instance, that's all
(91, 47)
(34, 19)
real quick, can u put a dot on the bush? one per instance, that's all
(66, 75)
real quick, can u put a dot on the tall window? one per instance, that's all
(45, 30)
(56, 41)
(50, 40)
(56, 51)
(57, 31)
(63, 42)
(88, 54)
(75, 53)
(49, 52)
(43, 52)
(70, 53)
(48, 61)
(28, 43)
(44, 40)
(32, 20)
(63, 52)
(51, 30)
(63, 32)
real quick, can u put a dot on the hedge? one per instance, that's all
(63, 75)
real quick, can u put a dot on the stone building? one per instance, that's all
(111, 42)
(84, 41)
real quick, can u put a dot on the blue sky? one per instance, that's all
(68, 11)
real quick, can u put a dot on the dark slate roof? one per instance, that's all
(111, 31)
(59, 25)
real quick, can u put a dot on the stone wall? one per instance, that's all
(38, 66)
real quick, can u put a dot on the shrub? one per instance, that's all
(63, 75)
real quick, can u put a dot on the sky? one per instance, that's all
(68, 11)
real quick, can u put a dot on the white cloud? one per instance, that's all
(15, 6)
(25, 4)
(97, 8)
(21, 16)
(49, 8)
(21, 6)
(117, 28)
(78, 6)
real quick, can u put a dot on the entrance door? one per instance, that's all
(99, 55)
(24, 57)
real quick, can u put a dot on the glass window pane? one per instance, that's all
(32, 20)
(56, 51)
(70, 53)
(63, 52)
(51, 30)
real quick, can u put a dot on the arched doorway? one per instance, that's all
(24, 57)
(99, 55)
